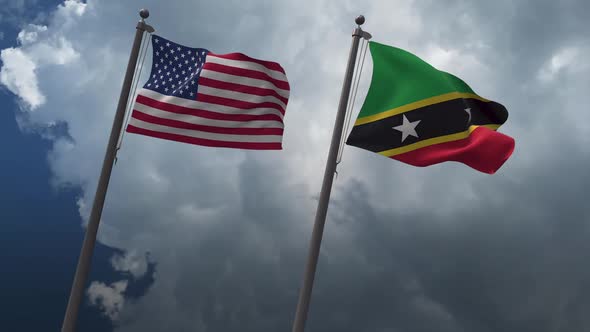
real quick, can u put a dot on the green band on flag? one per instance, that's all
(401, 78)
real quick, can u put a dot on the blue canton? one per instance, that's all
(175, 68)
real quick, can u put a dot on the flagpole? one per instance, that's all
(84, 261)
(320, 218)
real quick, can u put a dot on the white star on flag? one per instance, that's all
(407, 128)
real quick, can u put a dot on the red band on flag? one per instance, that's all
(210, 129)
(206, 114)
(245, 73)
(242, 57)
(484, 150)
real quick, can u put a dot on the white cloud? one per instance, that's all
(39, 48)
(561, 60)
(432, 309)
(20, 65)
(18, 75)
(71, 8)
(109, 299)
(131, 262)
(30, 34)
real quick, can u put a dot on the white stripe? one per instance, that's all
(235, 95)
(206, 135)
(243, 80)
(277, 75)
(204, 121)
(206, 106)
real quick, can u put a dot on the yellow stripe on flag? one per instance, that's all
(435, 140)
(416, 105)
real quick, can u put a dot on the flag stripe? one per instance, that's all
(204, 142)
(243, 81)
(237, 103)
(205, 113)
(205, 81)
(205, 121)
(210, 129)
(243, 73)
(243, 57)
(205, 135)
(239, 96)
(278, 75)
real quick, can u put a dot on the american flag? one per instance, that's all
(220, 100)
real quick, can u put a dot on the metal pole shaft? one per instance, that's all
(322, 210)
(84, 261)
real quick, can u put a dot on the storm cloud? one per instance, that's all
(405, 249)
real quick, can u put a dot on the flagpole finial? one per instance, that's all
(360, 20)
(144, 13)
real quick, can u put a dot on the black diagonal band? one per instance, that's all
(445, 118)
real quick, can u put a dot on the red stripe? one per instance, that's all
(245, 73)
(210, 129)
(241, 88)
(205, 114)
(243, 57)
(237, 103)
(204, 142)
(484, 150)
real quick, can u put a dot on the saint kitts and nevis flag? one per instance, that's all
(219, 100)
(421, 116)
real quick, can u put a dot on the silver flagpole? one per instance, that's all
(322, 210)
(84, 261)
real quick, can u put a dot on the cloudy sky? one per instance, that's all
(201, 239)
